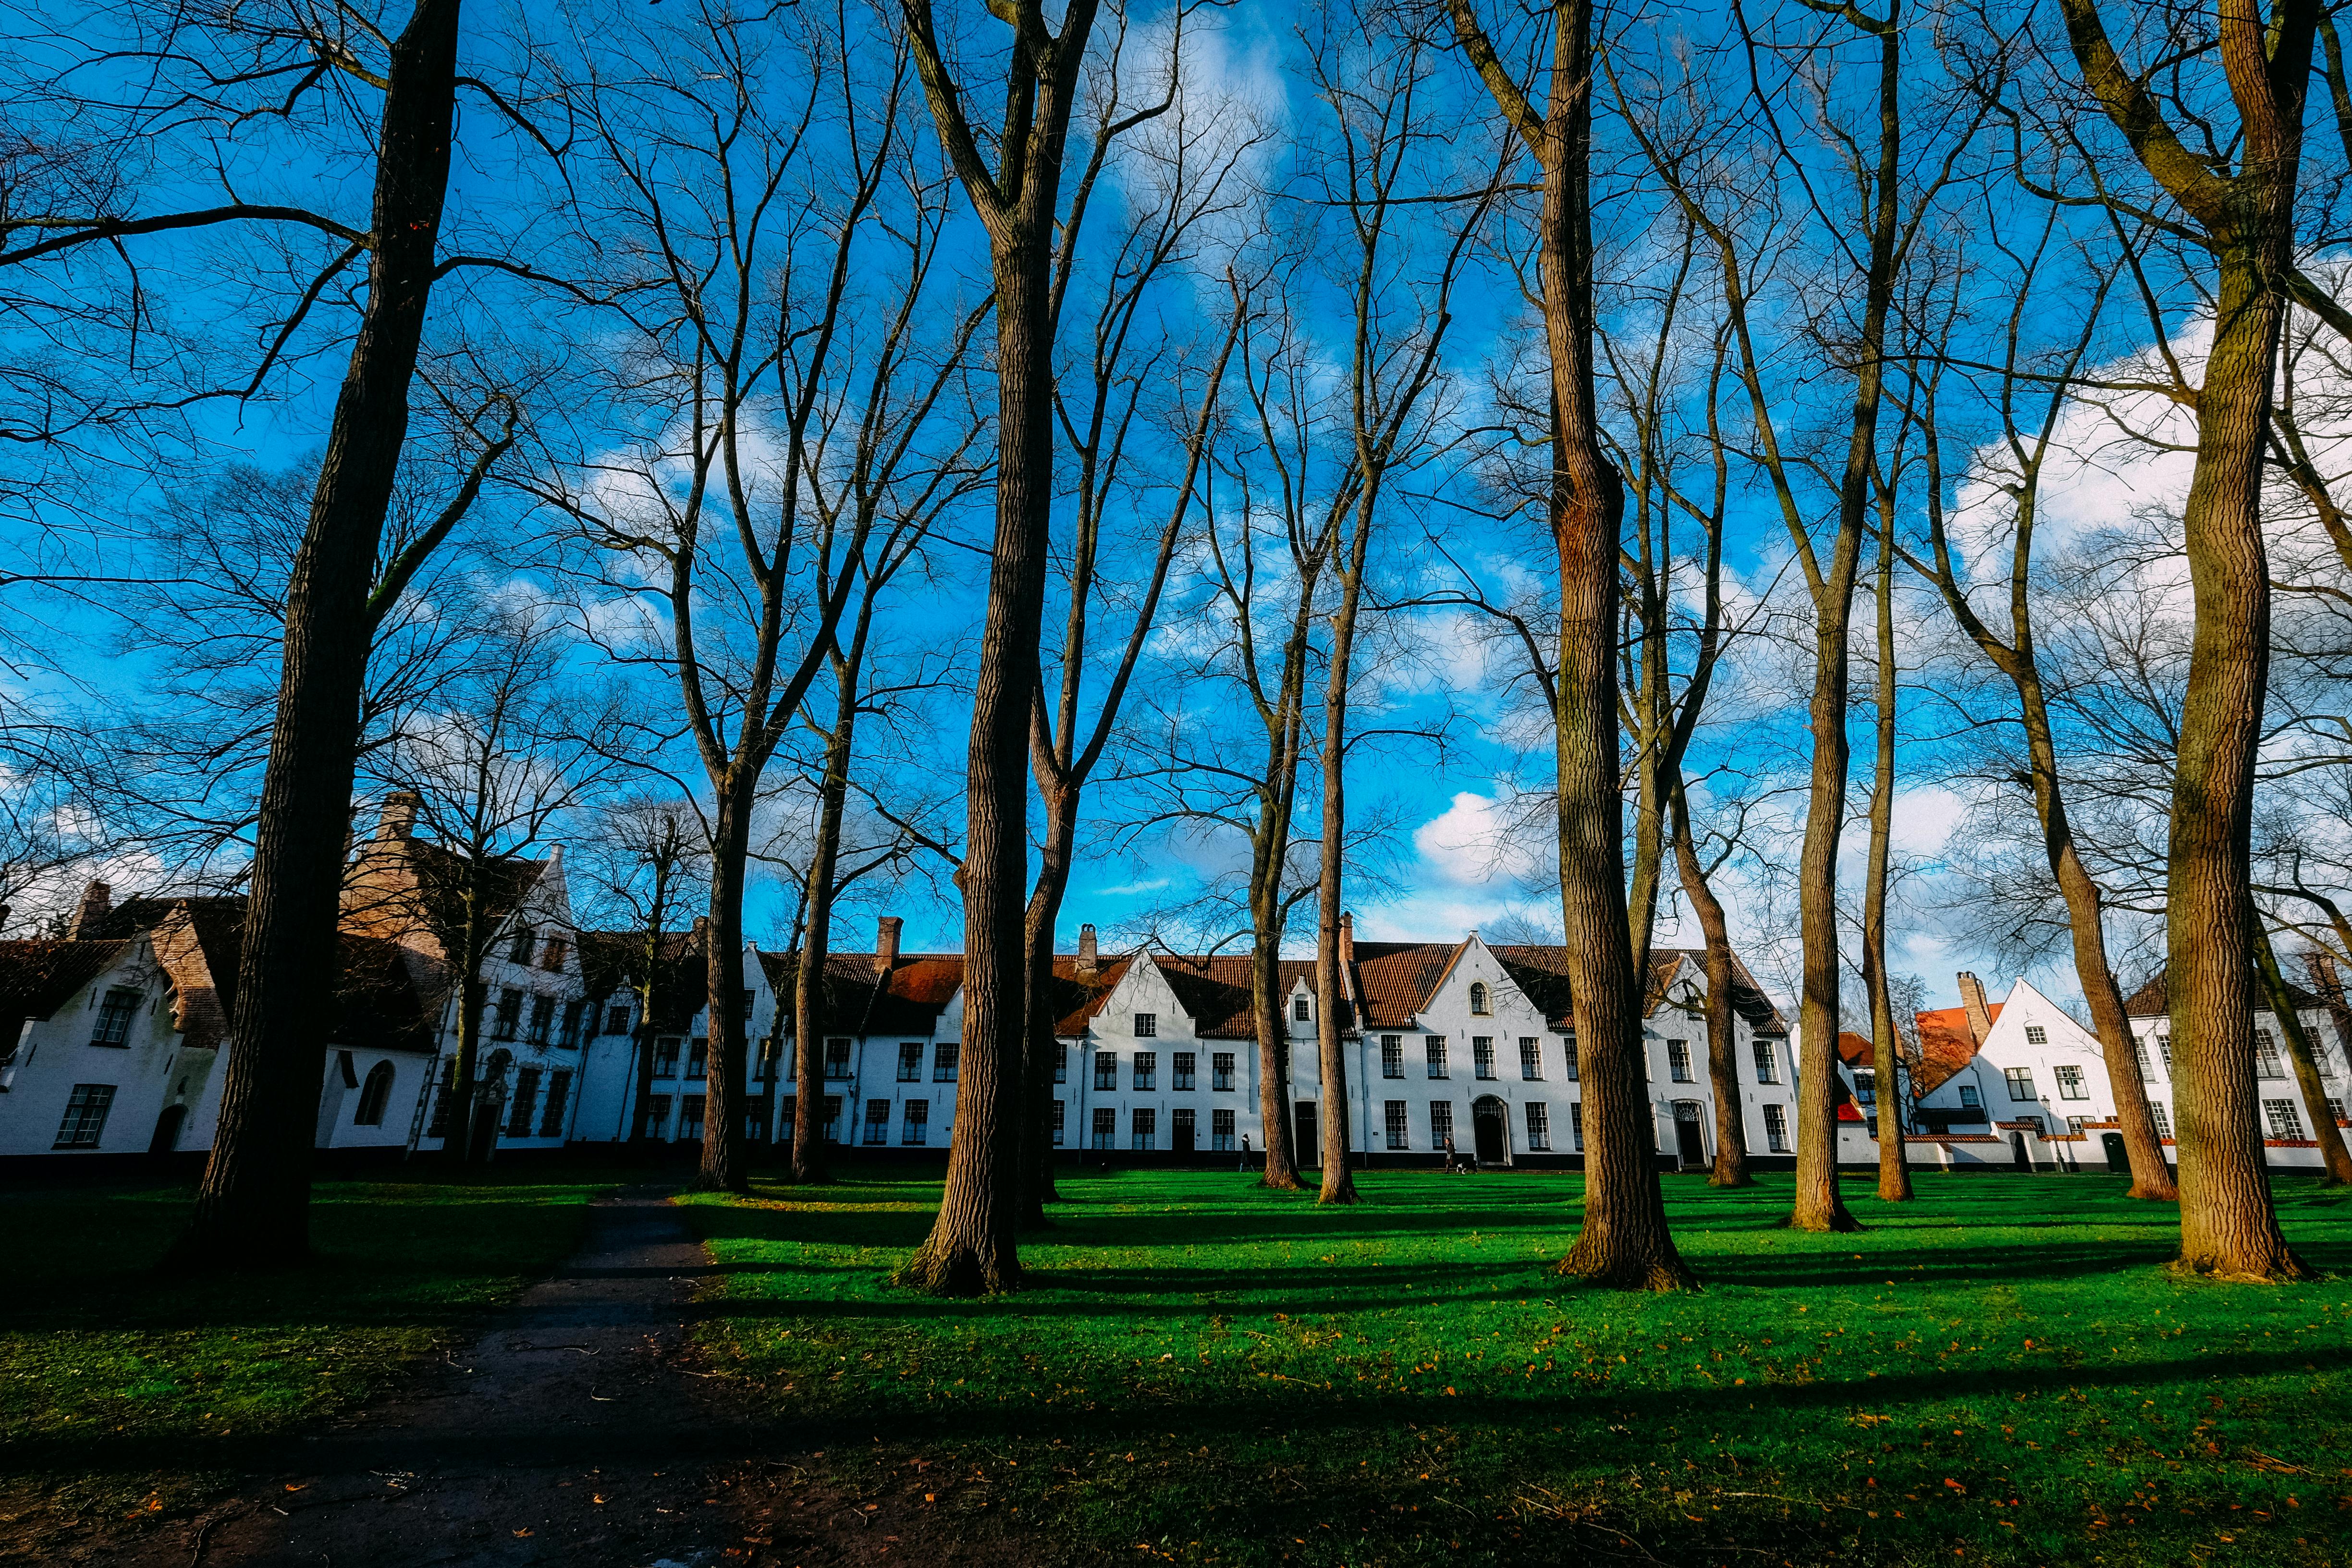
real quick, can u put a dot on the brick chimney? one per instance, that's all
(398, 819)
(1089, 956)
(96, 899)
(1972, 998)
(885, 943)
(1346, 940)
(2318, 961)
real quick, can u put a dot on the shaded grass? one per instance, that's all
(1204, 1372)
(109, 1373)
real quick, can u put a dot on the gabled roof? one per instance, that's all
(1542, 973)
(1395, 981)
(1947, 1043)
(611, 960)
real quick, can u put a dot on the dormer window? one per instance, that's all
(520, 952)
(1482, 1001)
(1147, 1025)
(552, 956)
(1301, 1009)
(114, 1014)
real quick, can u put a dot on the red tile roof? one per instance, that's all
(1945, 1045)
(2152, 1000)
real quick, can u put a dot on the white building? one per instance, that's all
(115, 1040)
(1160, 1055)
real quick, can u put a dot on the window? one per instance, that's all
(2334, 1109)
(910, 1061)
(1531, 1058)
(616, 1019)
(1147, 1025)
(1106, 1126)
(1865, 1083)
(559, 1095)
(510, 1013)
(1302, 1009)
(1481, 1000)
(832, 1115)
(1061, 1064)
(1568, 1054)
(542, 1018)
(944, 1061)
(86, 1115)
(1220, 1132)
(697, 1058)
(2021, 1082)
(1678, 1060)
(526, 1098)
(2163, 1123)
(916, 1128)
(1434, 1049)
(2074, 1125)
(2164, 1052)
(666, 1051)
(689, 1117)
(2070, 1083)
(1482, 1056)
(2266, 1057)
(373, 1095)
(114, 1016)
(755, 1120)
(1147, 1070)
(1776, 1129)
(2285, 1119)
(1392, 1113)
(1538, 1125)
(570, 1038)
(878, 1122)
(1391, 1056)
(1146, 1126)
(1441, 1121)
(1180, 1128)
(520, 952)
(550, 956)
(836, 1058)
(2139, 1049)
(2035, 1034)
(1058, 1110)
(656, 1115)
(1767, 1071)
(1221, 1071)
(439, 1126)
(1576, 1123)
(1969, 1096)
(1106, 1070)
(1182, 1078)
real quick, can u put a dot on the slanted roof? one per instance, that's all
(1947, 1043)
(1395, 981)
(36, 978)
(617, 959)
(2153, 1000)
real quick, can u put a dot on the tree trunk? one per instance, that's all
(1722, 1046)
(724, 1166)
(2229, 1225)
(1044, 914)
(1886, 1059)
(1272, 1029)
(1330, 986)
(252, 1208)
(2335, 1161)
(809, 1163)
(1623, 1241)
(971, 1248)
(466, 1070)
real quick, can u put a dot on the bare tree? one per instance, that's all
(646, 858)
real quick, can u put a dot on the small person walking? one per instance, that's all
(1450, 1164)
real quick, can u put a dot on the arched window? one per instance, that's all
(1481, 1002)
(373, 1095)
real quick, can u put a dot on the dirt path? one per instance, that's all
(576, 1431)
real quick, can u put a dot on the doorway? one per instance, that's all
(2118, 1157)
(1688, 1146)
(167, 1130)
(1490, 1132)
(2017, 1152)
(1180, 1136)
(1307, 1149)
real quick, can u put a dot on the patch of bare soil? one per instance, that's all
(577, 1431)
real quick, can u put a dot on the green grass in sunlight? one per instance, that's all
(1202, 1371)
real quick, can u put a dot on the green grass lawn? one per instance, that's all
(1202, 1372)
(123, 1391)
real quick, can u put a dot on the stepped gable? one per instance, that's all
(2153, 999)
(36, 978)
